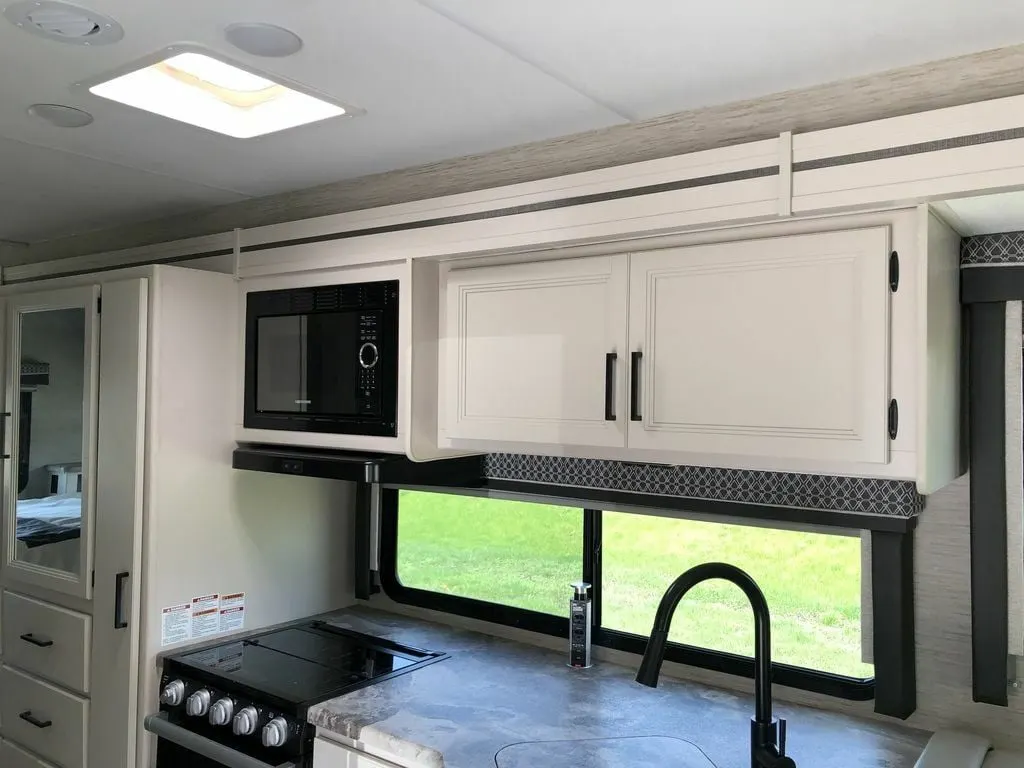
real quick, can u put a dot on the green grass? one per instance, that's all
(525, 555)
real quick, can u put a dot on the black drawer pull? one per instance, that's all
(27, 717)
(634, 386)
(609, 386)
(30, 638)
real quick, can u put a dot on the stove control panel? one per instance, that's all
(220, 714)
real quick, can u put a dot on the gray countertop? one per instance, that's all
(496, 696)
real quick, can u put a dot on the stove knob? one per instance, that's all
(198, 703)
(173, 693)
(244, 723)
(275, 733)
(221, 711)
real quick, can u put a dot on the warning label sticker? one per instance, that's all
(205, 618)
(176, 624)
(232, 612)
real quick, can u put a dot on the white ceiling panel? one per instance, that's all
(46, 194)
(430, 89)
(652, 57)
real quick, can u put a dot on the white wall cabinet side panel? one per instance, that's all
(526, 352)
(776, 347)
(119, 497)
(49, 490)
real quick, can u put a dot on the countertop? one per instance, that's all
(492, 694)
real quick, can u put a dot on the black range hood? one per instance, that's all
(358, 466)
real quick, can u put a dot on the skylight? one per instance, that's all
(212, 94)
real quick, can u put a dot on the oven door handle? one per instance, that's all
(208, 748)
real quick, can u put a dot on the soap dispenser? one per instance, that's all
(580, 620)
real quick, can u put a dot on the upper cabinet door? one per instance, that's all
(535, 353)
(50, 438)
(774, 347)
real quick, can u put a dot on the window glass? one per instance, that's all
(812, 583)
(506, 552)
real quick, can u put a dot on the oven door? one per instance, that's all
(179, 747)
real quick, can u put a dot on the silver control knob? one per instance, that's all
(198, 703)
(244, 723)
(368, 355)
(173, 693)
(221, 711)
(275, 733)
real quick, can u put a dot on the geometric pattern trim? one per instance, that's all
(1004, 248)
(832, 493)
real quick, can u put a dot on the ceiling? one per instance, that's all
(437, 79)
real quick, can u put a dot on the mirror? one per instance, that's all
(51, 426)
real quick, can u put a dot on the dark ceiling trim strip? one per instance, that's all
(130, 265)
(546, 205)
(905, 150)
(996, 283)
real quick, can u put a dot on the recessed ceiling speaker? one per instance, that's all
(61, 116)
(64, 22)
(263, 39)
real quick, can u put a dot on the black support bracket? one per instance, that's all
(892, 605)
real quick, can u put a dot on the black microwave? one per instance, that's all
(323, 359)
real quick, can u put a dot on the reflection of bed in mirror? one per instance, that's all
(49, 529)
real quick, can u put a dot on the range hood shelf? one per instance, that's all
(358, 466)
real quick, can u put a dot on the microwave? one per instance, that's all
(323, 359)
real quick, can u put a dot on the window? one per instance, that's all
(512, 561)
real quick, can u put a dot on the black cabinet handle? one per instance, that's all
(30, 638)
(634, 386)
(27, 717)
(3, 435)
(609, 385)
(120, 621)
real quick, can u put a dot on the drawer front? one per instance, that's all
(46, 720)
(12, 756)
(330, 754)
(47, 641)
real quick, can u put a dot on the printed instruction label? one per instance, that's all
(232, 612)
(176, 624)
(205, 618)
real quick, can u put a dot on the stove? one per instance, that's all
(243, 704)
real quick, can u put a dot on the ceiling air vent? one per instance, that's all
(64, 22)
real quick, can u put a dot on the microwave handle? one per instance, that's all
(202, 746)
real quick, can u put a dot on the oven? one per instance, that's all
(323, 359)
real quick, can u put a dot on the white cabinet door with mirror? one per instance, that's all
(51, 364)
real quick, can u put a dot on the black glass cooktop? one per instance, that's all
(306, 663)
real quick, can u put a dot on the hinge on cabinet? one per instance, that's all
(894, 271)
(894, 419)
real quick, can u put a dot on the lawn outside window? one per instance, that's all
(512, 562)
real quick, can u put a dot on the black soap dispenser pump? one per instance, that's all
(580, 619)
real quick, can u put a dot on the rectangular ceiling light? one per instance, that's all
(212, 94)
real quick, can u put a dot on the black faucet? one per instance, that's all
(767, 734)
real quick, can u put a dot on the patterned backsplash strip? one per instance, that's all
(897, 498)
(1005, 248)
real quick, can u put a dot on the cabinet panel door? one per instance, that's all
(773, 347)
(527, 352)
(49, 480)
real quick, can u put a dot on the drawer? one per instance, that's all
(12, 756)
(47, 641)
(331, 754)
(43, 719)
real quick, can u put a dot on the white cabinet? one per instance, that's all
(330, 754)
(787, 348)
(536, 352)
(764, 347)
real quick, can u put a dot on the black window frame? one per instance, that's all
(815, 681)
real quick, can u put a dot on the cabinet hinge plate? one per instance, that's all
(894, 419)
(894, 271)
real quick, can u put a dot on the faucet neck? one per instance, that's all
(655, 652)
